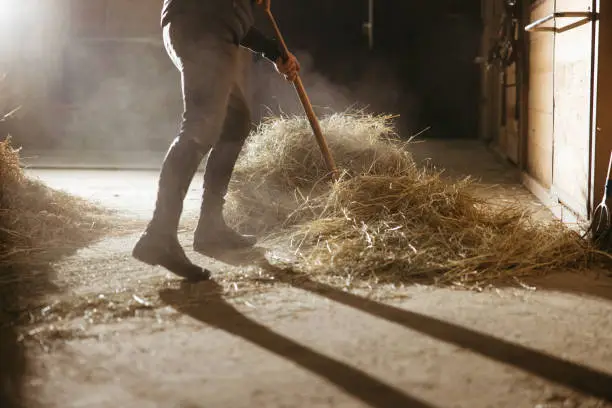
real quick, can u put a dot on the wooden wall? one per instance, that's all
(93, 74)
(116, 18)
(558, 144)
(490, 89)
(119, 88)
(539, 143)
(603, 137)
(31, 32)
(572, 109)
(509, 135)
(562, 152)
(499, 121)
(32, 35)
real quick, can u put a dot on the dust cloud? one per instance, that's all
(376, 90)
(127, 96)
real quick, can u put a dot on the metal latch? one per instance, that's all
(585, 17)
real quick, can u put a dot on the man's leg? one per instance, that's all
(207, 64)
(159, 244)
(212, 233)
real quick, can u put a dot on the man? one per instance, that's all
(203, 40)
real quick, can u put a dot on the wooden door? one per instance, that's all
(539, 143)
(573, 102)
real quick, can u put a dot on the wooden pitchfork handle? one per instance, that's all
(299, 87)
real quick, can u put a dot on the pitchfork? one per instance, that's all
(600, 228)
(299, 87)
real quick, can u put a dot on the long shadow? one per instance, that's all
(12, 370)
(19, 290)
(596, 284)
(212, 309)
(581, 378)
(23, 292)
(12, 367)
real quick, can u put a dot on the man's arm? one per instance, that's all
(257, 42)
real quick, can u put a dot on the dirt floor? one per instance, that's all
(115, 333)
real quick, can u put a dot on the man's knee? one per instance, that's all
(204, 108)
(237, 124)
(203, 129)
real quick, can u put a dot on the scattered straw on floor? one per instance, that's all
(36, 221)
(387, 218)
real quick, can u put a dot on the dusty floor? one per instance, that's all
(116, 333)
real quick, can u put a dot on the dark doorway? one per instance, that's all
(422, 65)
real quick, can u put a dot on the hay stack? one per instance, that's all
(386, 218)
(37, 222)
(281, 167)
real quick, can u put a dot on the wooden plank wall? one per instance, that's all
(554, 148)
(115, 18)
(509, 134)
(122, 91)
(32, 36)
(490, 107)
(603, 139)
(125, 93)
(88, 18)
(133, 18)
(573, 97)
(37, 38)
(538, 162)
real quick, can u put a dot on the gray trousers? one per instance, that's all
(216, 114)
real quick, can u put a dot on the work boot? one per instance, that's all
(159, 244)
(213, 235)
(166, 251)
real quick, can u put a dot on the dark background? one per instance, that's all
(422, 65)
(125, 96)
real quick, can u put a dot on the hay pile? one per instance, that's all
(387, 218)
(37, 222)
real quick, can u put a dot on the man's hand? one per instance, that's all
(289, 68)
(264, 3)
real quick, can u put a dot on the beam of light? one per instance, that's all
(12, 13)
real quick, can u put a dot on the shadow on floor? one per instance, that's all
(12, 368)
(26, 281)
(596, 283)
(213, 310)
(586, 380)
(20, 291)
